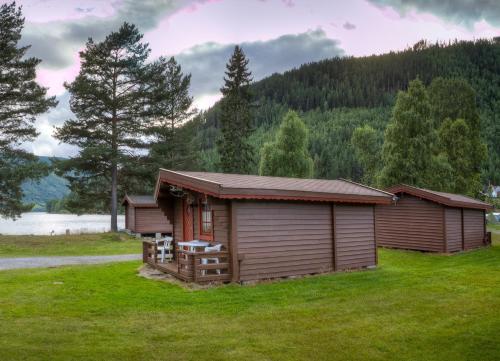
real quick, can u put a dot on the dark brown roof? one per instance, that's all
(448, 199)
(237, 186)
(140, 201)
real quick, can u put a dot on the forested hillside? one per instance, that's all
(337, 95)
(48, 188)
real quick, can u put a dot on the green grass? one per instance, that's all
(415, 306)
(73, 245)
(495, 227)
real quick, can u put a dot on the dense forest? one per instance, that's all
(336, 96)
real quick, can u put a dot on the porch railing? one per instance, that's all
(190, 266)
(149, 252)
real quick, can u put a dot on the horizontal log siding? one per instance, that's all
(412, 223)
(178, 236)
(278, 239)
(354, 237)
(453, 221)
(220, 210)
(473, 228)
(130, 218)
(151, 220)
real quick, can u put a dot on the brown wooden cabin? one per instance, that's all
(144, 216)
(426, 220)
(269, 227)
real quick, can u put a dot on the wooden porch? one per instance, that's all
(189, 266)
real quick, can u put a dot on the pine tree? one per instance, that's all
(407, 151)
(170, 108)
(234, 151)
(21, 99)
(109, 98)
(288, 155)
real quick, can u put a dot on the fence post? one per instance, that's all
(194, 268)
(145, 251)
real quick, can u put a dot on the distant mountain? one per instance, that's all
(50, 187)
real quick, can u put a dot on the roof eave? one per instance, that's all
(403, 188)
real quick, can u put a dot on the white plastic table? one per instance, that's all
(192, 245)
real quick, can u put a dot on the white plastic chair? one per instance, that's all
(164, 246)
(216, 248)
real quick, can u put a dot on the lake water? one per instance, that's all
(40, 223)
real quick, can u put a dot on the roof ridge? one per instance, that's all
(365, 186)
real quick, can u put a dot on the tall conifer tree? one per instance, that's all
(21, 99)
(109, 98)
(407, 150)
(234, 150)
(170, 108)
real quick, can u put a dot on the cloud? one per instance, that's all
(348, 26)
(56, 42)
(206, 62)
(45, 144)
(288, 3)
(84, 10)
(464, 12)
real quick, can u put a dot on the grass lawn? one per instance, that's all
(415, 306)
(494, 227)
(73, 245)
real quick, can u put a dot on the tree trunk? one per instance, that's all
(114, 179)
(114, 162)
(114, 198)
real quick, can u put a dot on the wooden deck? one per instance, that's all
(188, 266)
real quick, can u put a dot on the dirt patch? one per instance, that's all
(146, 271)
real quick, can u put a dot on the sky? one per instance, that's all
(276, 35)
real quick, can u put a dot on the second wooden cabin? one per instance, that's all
(144, 216)
(427, 220)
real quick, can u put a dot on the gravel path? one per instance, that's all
(54, 261)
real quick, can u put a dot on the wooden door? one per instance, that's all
(187, 221)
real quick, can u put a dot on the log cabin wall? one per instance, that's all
(277, 239)
(413, 223)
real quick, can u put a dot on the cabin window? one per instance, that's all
(205, 218)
